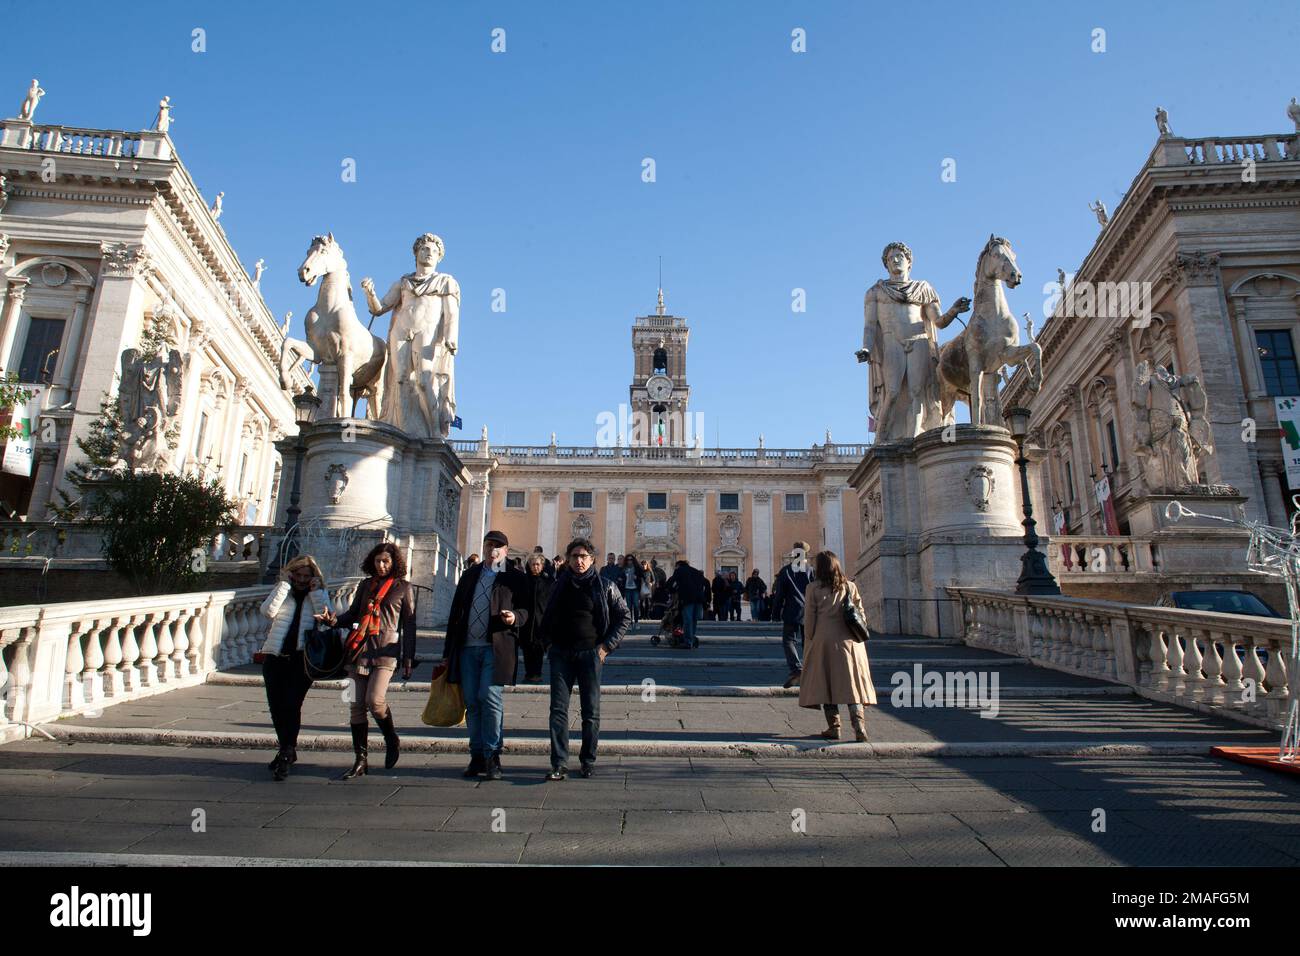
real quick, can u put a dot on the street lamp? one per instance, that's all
(1035, 578)
(305, 405)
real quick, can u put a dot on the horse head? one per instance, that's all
(998, 261)
(323, 257)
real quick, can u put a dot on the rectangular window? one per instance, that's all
(1277, 360)
(794, 503)
(1114, 446)
(514, 499)
(729, 501)
(582, 499)
(41, 353)
(656, 500)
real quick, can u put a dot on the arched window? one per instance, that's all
(661, 361)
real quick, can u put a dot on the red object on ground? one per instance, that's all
(1265, 757)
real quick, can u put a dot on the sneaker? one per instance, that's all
(558, 773)
(493, 771)
(588, 770)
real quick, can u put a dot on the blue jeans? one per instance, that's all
(633, 598)
(691, 614)
(568, 667)
(484, 710)
(790, 634)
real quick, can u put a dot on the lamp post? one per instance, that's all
(305, 404)
(1035, 578)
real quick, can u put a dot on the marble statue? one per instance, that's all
(1099, 208)
(1172, 434)
(1029, 327)
(1162, 121)
(4, 193)
(30, 101)
(1060, 278)
(216, 206)
(163, 121)
(420, 379)
(258, 268)
(900, 316)
(1293, 111)
(149, 396)
(968, 364)
(336, 337)
(284, 329)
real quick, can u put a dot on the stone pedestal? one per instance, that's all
(1192, 544)
(364, 482)
(936, 514)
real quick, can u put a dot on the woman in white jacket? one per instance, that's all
(291, 607)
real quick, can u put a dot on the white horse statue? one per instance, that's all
(969, 364)
(335, 336)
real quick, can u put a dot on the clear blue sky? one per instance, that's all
(775, 170)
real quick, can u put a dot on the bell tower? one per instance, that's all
(659, 391)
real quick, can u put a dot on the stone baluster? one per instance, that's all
(1253, 669)
(1193, 664)
(1161, 671)
(114, 675)
(166, 644)
(196, 645)
(72, 665)
(1232, 683)
(1177, 656)
(4, 686)
(131, 678)
(1212, 664)
(147, 662)
(20, 676)
(1276, 677)
(181, 642)
(92, 677)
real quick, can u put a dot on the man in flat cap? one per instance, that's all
(480, 649)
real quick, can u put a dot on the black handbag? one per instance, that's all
(854, 620)
(323, 657)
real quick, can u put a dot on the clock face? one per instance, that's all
(659, 387)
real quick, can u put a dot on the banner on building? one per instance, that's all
(19, 450)
(1288, 420)
(1058, 528)
(1107, 506)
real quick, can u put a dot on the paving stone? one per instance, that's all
(441, 847)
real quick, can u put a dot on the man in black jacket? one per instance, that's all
(692, 590)
(584, 623)
(787, 606)
(480, 648)
(756, 588)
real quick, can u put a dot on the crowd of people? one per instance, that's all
(562, 611)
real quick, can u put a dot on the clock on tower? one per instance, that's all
(659, 392)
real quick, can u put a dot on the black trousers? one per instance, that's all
(567, 668)
(534, 657)
(286, 688)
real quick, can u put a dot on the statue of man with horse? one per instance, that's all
(900, 316)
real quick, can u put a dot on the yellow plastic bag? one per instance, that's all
(446, 705)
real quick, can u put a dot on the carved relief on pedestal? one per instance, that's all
(336, 482)
(980, 485)
(872, 515)
(447, 506)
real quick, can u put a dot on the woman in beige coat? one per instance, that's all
(835, 669)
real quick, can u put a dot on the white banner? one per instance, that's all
(18, 451)
(1288, 420)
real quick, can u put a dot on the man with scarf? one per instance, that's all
(900, 316)
(584, 623)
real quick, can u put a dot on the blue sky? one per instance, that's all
(775, 170)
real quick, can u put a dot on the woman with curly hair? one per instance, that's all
(384, 610)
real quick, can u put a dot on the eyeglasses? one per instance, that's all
(579, 554)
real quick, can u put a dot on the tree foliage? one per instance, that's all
(11, 396)
(156, 527)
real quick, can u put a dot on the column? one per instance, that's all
(546, 520)
(615, 522)
(1081, 461)
(47, 459)
(476, 524)
(64, 375)
(232, 442)
(833, 521)
(9, 326)
(695, 530)
(1271, 476)
(762, 534)
(191, 383)
(1246, 349)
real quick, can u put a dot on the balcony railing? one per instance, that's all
(83, 142)
(1230, 664)
(1235, 150)
(1070, 555)
(755, 457)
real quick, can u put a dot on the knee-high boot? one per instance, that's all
(359, 733)
(391, 741)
